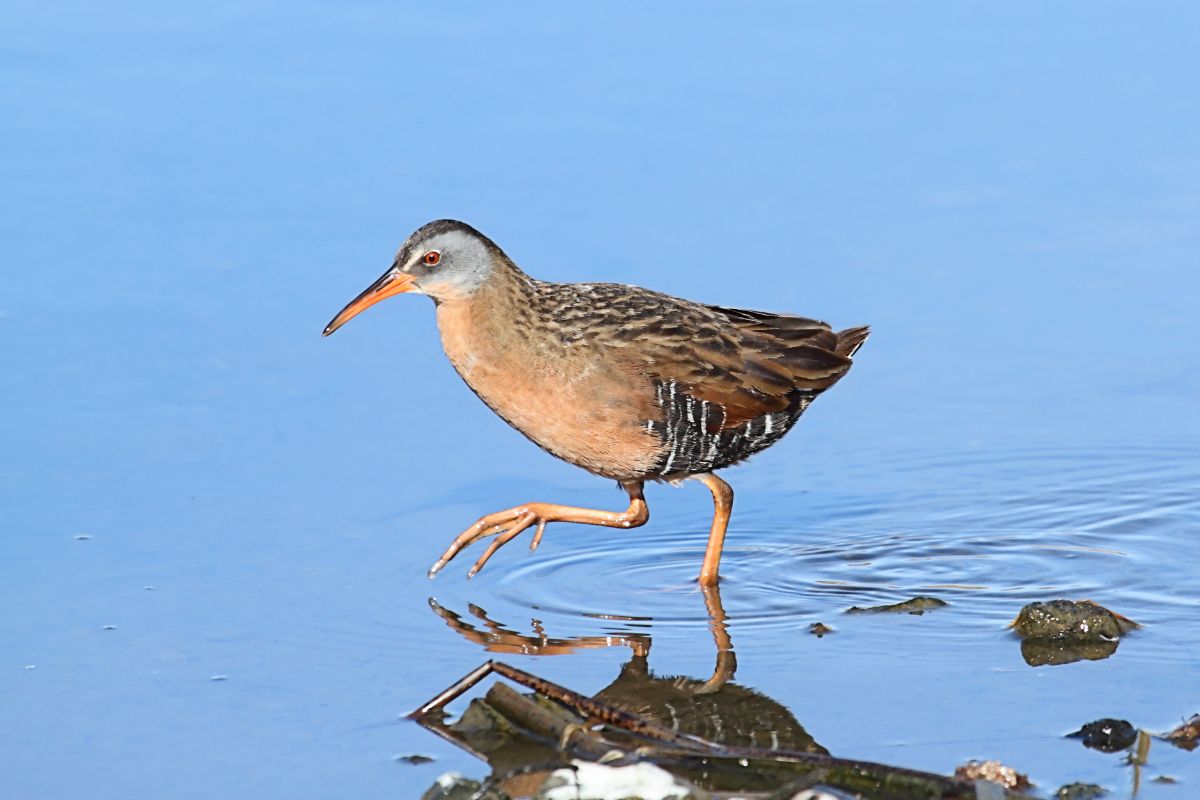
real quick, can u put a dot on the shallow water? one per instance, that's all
(216, 524)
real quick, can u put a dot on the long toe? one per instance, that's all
(522, 524)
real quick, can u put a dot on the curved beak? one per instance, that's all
(390, 283)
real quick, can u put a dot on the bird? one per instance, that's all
(630, 384)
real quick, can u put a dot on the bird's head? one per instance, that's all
(445, 259)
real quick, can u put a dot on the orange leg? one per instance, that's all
(722, 508)
(506, 525)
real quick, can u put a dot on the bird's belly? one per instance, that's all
(579, 410)
(594, 432)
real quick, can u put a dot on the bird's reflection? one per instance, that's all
(712, 707)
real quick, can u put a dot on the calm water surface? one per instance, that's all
(216, 524)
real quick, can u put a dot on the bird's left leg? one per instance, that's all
(506, 525)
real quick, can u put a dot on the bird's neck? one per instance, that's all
(492, 323)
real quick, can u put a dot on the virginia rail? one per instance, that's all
(627, 383)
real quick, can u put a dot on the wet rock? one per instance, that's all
(1106, 735)
(416, 758)
(1167, 779)
(993, 771)
(819, 629)
(454, 786)
(643, 781)
(1186, 735)
(1065, 631)
(1080, 791)
(916, 605)
(1076, 619)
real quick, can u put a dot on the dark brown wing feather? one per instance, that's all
(803, 353)
(849, 340)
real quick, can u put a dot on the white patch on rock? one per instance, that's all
(448, 780)
(597, 782)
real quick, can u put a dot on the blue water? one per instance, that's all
(216, 523)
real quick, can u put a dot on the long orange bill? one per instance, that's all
(391, 282)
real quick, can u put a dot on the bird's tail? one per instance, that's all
(851, 339)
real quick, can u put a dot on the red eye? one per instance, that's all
(432, 258)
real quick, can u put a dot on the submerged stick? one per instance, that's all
(463, 684)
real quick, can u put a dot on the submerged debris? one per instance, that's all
(1076, 619)
(917, 605)
(1106, 735)
(1080, 791)
(1065, 631)
(1185, 735)
(529, 739)
(995, 772)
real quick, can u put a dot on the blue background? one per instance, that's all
(1008, 195)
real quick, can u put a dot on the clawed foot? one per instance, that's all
(505, 526)
(508, 524)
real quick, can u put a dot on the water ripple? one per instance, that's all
(987, 531)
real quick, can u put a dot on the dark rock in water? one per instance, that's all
(1060, 650)
(416, 758)
(1167, 779)
(917, 605)
(1106, 735)
(1186, 735)
(819, 629)
(1080, 791)
(1064, 631)
(1077, 619)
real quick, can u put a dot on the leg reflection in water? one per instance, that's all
(712, 708)
(711, 733)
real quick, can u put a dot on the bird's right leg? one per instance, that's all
(722, 494)
(506, 525)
